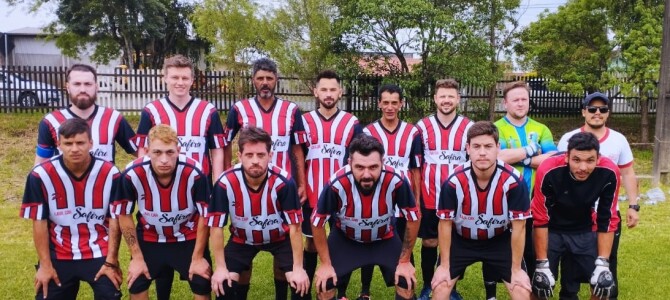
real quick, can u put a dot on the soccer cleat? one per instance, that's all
(425, 294)
(363, 297)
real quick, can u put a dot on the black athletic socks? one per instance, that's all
(428, 262)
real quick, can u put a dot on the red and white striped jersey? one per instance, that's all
(481, 214)
(401, 145)
(442, 150)
(365, 217)
(258, 216)
(198, 127)
(107, 125)
(77, 209)
(165, 214)
(282, 121)
(327, 142)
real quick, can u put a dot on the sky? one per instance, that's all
(19, 16)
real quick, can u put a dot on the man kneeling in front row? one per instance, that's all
(361, 197)
(478, 204)
(574, 205)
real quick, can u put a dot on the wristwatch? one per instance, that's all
(636, 207)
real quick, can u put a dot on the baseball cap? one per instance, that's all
(594, 96)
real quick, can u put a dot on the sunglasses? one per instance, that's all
(593, 109)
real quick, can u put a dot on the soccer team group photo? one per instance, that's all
(413, 204)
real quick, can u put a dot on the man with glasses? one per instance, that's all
(614, 146)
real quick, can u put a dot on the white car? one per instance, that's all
(26, 92)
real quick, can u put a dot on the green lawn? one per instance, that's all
(642, 252)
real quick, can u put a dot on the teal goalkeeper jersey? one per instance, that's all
(512, 137)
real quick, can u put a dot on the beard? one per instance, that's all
(328, 105)
(595, 126)
(83, 101)
(255, 172)
(446, 111)
(265, 92)
(370, 185)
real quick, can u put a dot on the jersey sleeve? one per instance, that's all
(289, 202)
(232, 125)
(35, 201)
(607, 219)
(626, 156)
(143, 129)
(418, 152)
(518, 201)
(298, 134)
(46, 145)
(201, 193)
(547, 140)
(325, 206)
(415, 152)
(125, 136)
(542, 191)
(125, 197)
(215, 137)
(404, 198)
(563, 143)
(448, 201)
(358, 129)
(217, 207)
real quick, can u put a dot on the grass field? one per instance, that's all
(643, 261)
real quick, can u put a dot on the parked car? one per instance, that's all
(26, 92)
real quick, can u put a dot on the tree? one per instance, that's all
(233, 29)
(452, 39)
(570, 47)
(638, 38)
(110, 24)
(122, 28)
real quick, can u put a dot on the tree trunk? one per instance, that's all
(644, 120)
(128, 51)
(494, 60)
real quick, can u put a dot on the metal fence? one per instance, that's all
(43, 89)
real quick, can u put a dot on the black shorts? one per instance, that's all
(348, 255)
(495, 254)
(576, 253)
(166, 257)
(429, 222)
(72, 272)
(307, 219)
(239, 257)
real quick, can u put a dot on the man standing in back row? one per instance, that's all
(107, 125)
(595, 109)
(329, 131)
(196, 121)
(443, 140)
(524, 143)
(197, 124)
(401, 144)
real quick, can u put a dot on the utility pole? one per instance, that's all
(661, 165)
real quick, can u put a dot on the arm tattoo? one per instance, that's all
(406, 243)
(129, 235)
